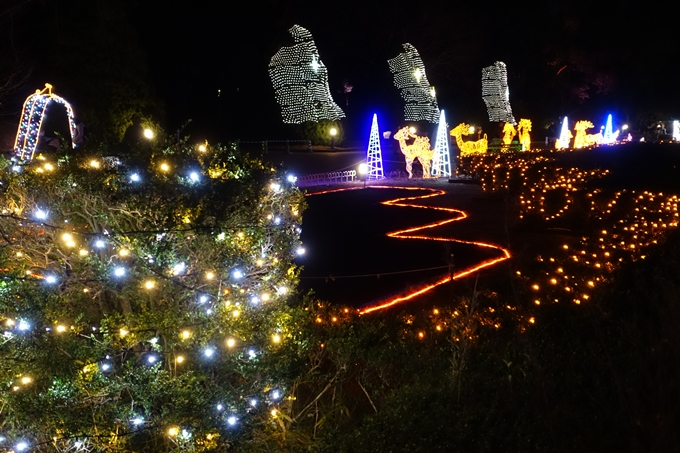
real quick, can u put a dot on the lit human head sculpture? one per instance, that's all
(410, 78)
(496, 93)
(32, 117)
(300, 81)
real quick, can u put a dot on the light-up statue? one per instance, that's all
(524, 129)
(496, 93)
(676, 130)
(565, 136)
(374, 154)
(32, 117)
(409, 76)
(581, 139)
(300, 81)
(509, 133)
(418, 149)
(441, 163)
(469, 147)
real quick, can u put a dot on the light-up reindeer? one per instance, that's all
(467, 148)
(419, 149)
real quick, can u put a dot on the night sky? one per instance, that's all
(207, 61)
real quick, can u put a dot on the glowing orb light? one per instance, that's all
(300, 81)
(32, 118)
(411, 80)
(496, 93)
(374, 162)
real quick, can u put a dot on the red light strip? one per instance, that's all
(403, 234)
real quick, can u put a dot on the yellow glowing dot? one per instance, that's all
(172, 432)
(202, 148)
(565, 247)
(186, 334)
(67, 237)
(165, 167)
(26, 380)
(439, 328)
(334, 319)
(15, 388)
(94, 164)
(209, 275)
(276, 338)
(83, 252)
(231, 342)
(49, 167)
(19, 254)
(421, 335)
(535, 287)
(61, 328)
(85, 290)
(124, 252)
(537, 302)
(240, 234)
(273, 412)
(149, 284)
(123, 332)
(264, 297)
(532, 320)
(179, 359)
(319, 320)
(235, 313)
(435, 311)
(553, 281)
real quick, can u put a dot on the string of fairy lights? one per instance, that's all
(496, 93)
(300, 81)
(33, 114)
(253, 283)
(420, 99)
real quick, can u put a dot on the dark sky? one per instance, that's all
(564, 57)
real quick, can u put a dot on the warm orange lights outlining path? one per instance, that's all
(407, 202)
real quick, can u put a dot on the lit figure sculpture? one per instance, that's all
(509, 133)
(470, 147)
(410, 78)
(524, 129)
(419, 149)
(300, 81)
(581, 139)
(676, 130)
(31, 121)
(441, 163)
(496, 93)
(374, 154)
(565, 135)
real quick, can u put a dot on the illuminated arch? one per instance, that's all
(32, 118)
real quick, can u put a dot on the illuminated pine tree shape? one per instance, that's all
(609, 137)
(411, 80)
(374, 154)
(565, 136)
(441, 163)
(32, 117)
(300, 81)
(496, 94)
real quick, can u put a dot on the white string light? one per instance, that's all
(300, 81)
(32, 118)
(441, 163)
(496, 93)
(411, 80)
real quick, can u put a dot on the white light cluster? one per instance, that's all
(409, 76)
(676, 130)
(31, 121)
(441, 163)
(300, 81)
(374, 154)
(496, 94)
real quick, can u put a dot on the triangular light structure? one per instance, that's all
(565, 135)
(441, 164)
(374, 155)
(608, 137)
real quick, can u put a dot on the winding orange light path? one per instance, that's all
(408, 233)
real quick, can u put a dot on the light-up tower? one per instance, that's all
(608, 137)
(31, 120)
(441, 164)
(565, 135)
(373, 154)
